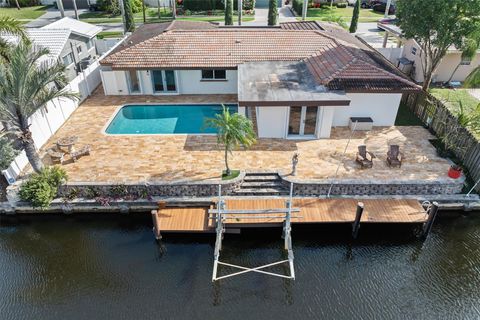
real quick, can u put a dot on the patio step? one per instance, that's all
(262, 184)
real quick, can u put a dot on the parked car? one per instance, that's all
(363, 3)
(390, 20)
(381, 7)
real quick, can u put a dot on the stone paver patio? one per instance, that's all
(120, 159)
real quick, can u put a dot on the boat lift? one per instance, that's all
(222, 215)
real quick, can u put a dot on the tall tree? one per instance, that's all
(356, 14)
(436, 25)
(129, 19)
(229, 13)
(29, 81)
(272, 13)
(233, 130)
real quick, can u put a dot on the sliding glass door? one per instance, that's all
(302, 121)
(163, 81)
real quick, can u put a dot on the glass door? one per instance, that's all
(163, 81)
(302, 121)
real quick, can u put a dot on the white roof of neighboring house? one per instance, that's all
(52, 39)
(76, 27)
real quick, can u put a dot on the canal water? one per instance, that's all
(110, 267)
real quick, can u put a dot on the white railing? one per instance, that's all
(48, 119)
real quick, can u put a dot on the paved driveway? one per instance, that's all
(50, 16)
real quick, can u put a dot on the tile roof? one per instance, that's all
(336, 59)
(53, 39)
(77, 27)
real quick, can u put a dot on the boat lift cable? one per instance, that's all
(221, 215)
(343, 156)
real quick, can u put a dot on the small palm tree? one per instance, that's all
(28, 81)
(12, 27)
(233, 130)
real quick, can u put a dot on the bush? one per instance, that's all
(25, 3)
(41, 188)
(342, 5)
(136, 6)
(7, 153)
(200, 5)
(297, 5)
(109, 6)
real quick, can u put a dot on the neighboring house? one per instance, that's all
(409, 59)
(80, 50)
(296, 81)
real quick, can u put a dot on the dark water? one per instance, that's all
(109, 267)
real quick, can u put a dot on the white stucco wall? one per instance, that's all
(444, 69)
(190, 82)
(272, 122)
(382, 108)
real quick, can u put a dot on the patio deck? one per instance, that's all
(121, 159)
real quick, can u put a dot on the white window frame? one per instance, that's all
(302, 136)
(72, 59)
(129, 86)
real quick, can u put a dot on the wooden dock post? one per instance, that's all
(427, 226)
(156, 227)
(358, 217)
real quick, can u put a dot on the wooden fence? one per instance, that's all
(436, 116)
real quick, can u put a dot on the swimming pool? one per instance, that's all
(165, 119)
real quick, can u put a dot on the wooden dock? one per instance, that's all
(305, 211)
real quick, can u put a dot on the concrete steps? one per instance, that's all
(262, 184)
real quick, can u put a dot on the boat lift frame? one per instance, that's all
(222, 214)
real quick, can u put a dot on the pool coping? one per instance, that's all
(103, 131)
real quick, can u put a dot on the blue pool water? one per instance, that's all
(165, 119)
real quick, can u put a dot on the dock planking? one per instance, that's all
(311, 210)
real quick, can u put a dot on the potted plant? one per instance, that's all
(455, 171)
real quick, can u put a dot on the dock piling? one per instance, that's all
(156, 226)
(358, 217)
(427, 226)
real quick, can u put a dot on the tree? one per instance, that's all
(229, 13)
(28, 81)
(356, 14)
(9, 26)
(436, 25)
(469, 51)
(129, 20)
(233, 130)
(272, 13)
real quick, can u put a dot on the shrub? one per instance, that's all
(342, 5)
(109, 6)
(7, 153)
(297, 6)
(25, 3)
(41, 188)
(136, 6)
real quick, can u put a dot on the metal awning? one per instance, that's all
(283, 83)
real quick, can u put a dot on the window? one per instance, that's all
(68, 59)
(79, 49)
(465, 62)
(90, 43)
(163, 81)
(414, 50)
(214, 74)
(133, 81)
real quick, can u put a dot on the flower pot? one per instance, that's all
(455, 172)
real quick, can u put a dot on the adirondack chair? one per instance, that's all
(85, 150)
(55, 155)
(394, 156)
(364, 157)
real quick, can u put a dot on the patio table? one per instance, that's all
(68, 142)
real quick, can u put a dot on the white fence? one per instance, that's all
(104, 45)
(392, 54)
(48, 119)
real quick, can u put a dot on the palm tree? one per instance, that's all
(9, 26)
(28, 81)
(233, 130)
(473, 79)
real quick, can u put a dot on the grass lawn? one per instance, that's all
(335, 14)
(110, 34)
(233, 174)
(451, 98)
(27, 13)
(405, 117)
(151, 16)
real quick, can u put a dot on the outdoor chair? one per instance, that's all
(394, 156)
(55, 155)
(364, 157)
(85, 150)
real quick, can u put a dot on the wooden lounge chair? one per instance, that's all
(394, 156)
(364, 157)
(85, 150)
(55, 155)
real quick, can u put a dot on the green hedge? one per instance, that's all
(205, 5)
(342, 5)
(297, 5)
(41, 188)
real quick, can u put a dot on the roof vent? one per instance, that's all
(238, 41)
